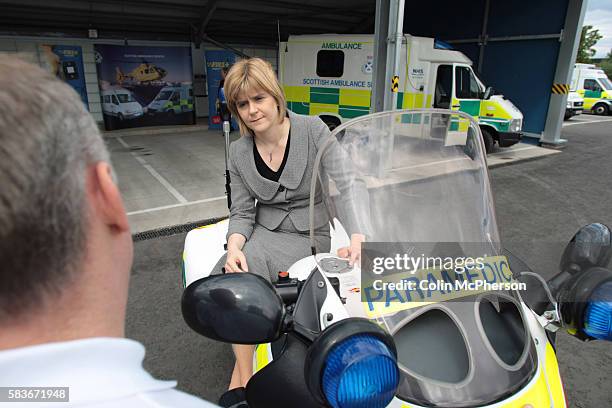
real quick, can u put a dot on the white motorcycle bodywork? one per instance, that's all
(204, 246)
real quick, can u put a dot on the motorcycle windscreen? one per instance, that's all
(405, 176)
(415, 185)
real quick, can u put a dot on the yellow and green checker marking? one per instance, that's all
(592, 97)
(311, 100)
(352, 103)
(183, 106)
(486, 112)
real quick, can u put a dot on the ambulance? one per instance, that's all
(330, 75)
(594, 86)
(172, 99)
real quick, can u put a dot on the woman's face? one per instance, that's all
(258, 109)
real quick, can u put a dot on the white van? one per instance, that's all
(574, 105)
(174, 99)
(330, 76)
(120, 103)
(594, 86)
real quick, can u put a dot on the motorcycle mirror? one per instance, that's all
(488, 93)
(237, 308)
(590, 247)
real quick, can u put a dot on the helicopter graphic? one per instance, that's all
(143, 73)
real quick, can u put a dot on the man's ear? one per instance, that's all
(106, 198)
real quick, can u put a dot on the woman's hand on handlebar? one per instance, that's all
(236, 261)
(352, 252)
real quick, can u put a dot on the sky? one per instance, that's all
(599, 15)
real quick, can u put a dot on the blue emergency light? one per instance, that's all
(360, 371)
(598, 314)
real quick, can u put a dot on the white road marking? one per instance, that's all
(582, 122)
(166, 207)
(155, 174)
(518, 149)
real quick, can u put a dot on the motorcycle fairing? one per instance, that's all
(427, 182)
(544, 386)
(453, 361)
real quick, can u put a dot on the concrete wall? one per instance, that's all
(28, 48)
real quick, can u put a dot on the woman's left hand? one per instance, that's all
(352, 252)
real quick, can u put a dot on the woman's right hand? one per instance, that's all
(236, 261)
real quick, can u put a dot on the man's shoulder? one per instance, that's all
(99, 372)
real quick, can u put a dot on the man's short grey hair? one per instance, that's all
(47, 140)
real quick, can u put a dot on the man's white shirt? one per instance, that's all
(100, 373)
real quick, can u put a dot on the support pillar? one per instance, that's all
(565, 65)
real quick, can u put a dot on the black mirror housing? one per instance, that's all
(237, 308)
(590, 247)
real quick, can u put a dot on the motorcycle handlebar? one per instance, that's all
(288, 290)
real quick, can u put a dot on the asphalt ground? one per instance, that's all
(540, 205)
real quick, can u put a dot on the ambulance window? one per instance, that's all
(444, 87)
(605, 82)
(591, 85)
(115, 101)
(466, 85)
(106, 98)
(574, 84)
(330, 63)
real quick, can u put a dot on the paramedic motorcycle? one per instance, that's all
(435, 314)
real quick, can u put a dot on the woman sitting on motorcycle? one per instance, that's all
(271, 166)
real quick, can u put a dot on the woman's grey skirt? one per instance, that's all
(269, 252)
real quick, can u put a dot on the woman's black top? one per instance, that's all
(263, 168)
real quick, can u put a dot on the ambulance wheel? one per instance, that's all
(487, 138)
(601, 109)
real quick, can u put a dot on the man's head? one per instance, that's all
(60, 211)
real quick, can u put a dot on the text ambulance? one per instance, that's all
(330, 76)
(594, 86)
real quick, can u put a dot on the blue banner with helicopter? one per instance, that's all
(145, 86)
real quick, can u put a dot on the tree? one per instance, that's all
(606, 64)
(588, 39)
